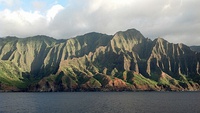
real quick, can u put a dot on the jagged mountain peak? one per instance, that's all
(92, 36)
(95, 61)
(159, 39)
(37, 37)
(41, 37)
(92, 33)
(128, 40)
(130, 34)
(9, 38)
(133, 30)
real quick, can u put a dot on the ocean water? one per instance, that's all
(100, 102)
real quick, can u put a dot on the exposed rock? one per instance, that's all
(97, 62)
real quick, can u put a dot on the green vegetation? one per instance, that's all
(11, 75)
(124, 61)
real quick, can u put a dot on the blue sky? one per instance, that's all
(30, 5)
(177, 21)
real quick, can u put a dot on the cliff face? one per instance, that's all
(94, 62)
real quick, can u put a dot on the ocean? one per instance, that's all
(100, 102)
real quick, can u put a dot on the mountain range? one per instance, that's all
(125, 61)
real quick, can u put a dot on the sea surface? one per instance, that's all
(100, 102)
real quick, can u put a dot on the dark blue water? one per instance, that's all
(101, 102)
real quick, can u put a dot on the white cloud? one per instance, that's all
(21, 23)
(173, 20)
(51, 13)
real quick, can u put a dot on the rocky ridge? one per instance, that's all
(125, 61)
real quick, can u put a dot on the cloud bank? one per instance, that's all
(175, 20)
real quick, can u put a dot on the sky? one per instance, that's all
(177, 21)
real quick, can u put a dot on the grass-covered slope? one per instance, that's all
(11, 77)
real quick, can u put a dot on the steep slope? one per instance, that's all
(27, 53)
(11, 77)
(41, 55)
(95, 62)
(151, 65)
